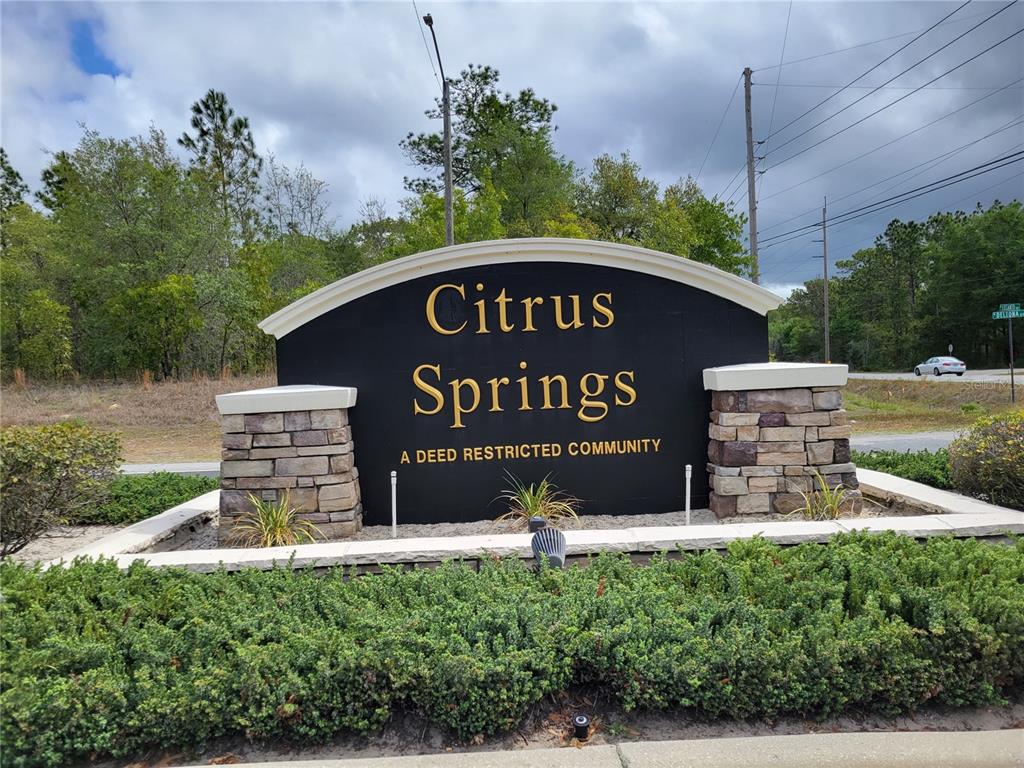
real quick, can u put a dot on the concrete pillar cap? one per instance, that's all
(729, 378)
(293, 397)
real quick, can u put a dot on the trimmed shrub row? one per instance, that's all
(920, 466)
(103, 663)
(136, 497)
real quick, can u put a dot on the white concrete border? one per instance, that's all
(963, 518)
(728, 378)
(152, 530)
(291, 397)
(540, 249)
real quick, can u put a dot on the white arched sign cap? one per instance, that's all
(540, 249)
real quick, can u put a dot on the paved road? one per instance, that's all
(990, 376)
(202, 468)
(908, 441)
(922, 749)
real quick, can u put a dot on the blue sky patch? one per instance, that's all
(87, 54)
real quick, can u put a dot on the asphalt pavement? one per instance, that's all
(903, 442)
(987, 376)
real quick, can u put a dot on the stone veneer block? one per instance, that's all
(236, 440)
(782, 458)
(736, 419)
(735, 454)
(783, 400)
(779, 434)
(748, 434)
(303, 465)
(296, 421)
(233, 423)
(828, 401)
(753, 503)
(835, 433)
(309, 437)
(812, 419)
(772, 420)
(729, 486)
(792, 446)
(264, 422)
(328, 419)
(246, 468)
(272, 440)
(715, 432)
(820, 453)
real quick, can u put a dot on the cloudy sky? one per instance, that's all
(336, 85)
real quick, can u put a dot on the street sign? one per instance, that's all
(1006, 314)
(1006, 307)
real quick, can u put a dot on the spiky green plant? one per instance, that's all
(823, 503)
(542, 499)
(272, 524)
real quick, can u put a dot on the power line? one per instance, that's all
(775, 95)
(865, 44)
(896, 101)
(426, 47)
(887, 87)
(721, 195)
(846, 215)
(1011, 124)
(719, 128)
(893, 141)
(872, 69)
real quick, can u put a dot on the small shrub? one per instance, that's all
(541, 499)
(920, 466)
(48, 474)
(988, 460)
(272, 524)
(822, 503)
(137, 497)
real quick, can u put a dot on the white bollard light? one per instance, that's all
(689, 473)
(394, 504)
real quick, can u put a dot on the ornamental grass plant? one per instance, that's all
(100, 663)
(272, 524)
(542, 499)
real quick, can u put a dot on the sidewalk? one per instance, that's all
(924, 749)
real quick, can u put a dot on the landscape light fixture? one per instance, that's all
(446, 110)
(549, 542)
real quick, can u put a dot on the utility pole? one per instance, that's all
(446, 110)
(824, 256)
(751, 200)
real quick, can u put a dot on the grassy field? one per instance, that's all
(912, 406)
(178, 421)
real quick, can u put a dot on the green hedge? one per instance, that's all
(921, 466)
(100, 663)
(136, 497)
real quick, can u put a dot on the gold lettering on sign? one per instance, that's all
(591, 395)
(432, 314)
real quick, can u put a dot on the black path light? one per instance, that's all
(550, 542)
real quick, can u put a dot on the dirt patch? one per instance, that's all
(62, 540)
(547, 725)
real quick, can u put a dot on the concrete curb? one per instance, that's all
(923, 749)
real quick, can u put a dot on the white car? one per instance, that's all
(941, 365)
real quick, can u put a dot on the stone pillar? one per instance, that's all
(773, 425)
(294, 441)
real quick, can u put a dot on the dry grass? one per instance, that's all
(909, 406)
(159, 421)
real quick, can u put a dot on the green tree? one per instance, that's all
(54, 179)
(621, 202)
(12, 192)
(487, 125)
(155, 320)
(223, 146)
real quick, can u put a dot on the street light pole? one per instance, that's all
(449, 219)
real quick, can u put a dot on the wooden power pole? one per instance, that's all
(751, 192)
(824, 256)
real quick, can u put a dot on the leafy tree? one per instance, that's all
(621, 202)
(54, 179)
(12, 192)
(155, 322)
(294, 201)
(44, 330)
(223, 145)
(710, 230)
(486, 126)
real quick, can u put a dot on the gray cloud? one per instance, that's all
(337, 85)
